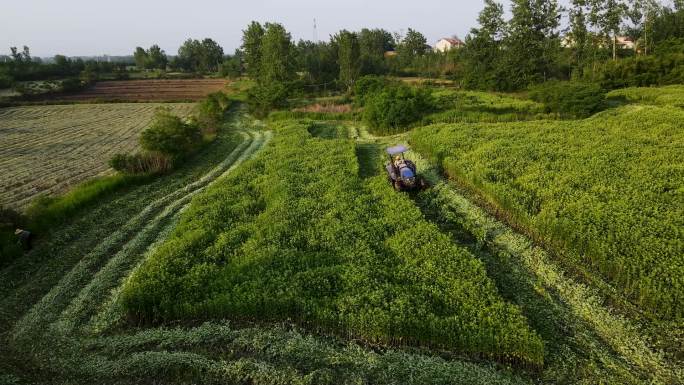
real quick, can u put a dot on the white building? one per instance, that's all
(448, 44)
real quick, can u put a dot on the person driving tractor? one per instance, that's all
(398, 162)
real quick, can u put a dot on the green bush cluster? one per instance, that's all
(666, 67)
(294, 234)
(210, 112)
(569, 99)
(395, 107)
(170, 138)
(366, 86)
(170, 135)
(456, 106)
(606, 191)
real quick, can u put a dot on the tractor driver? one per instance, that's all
(398, 162)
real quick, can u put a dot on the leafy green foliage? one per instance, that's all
(395, 108)
(170, 135)
(141, 163)
(366, 86)
(6, 81)
(474, 107)
(348, 57)
(211, 111)
(604, 191)
(569, 99)
(295, 235)
(198, 56)
(642, 71)
(275, 71)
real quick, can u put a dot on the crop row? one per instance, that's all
(664, 96)
(46, 149)
(606, 191)
(294, 234)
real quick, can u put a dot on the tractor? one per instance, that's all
(401, 172)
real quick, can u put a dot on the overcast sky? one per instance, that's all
(95, 27)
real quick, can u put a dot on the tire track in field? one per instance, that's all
(69, 300)
(597, 324)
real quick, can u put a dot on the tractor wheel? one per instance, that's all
(397, 185)
(422, 183)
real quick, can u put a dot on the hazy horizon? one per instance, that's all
(73, 28)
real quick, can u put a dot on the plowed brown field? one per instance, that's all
(147, 90)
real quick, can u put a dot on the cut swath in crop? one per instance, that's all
(295, 234)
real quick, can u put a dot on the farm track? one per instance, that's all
(582, 333)
(59, 321)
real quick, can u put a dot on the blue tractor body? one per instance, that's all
(401, 172)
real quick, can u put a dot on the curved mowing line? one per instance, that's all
(85, 304)
(80, 276)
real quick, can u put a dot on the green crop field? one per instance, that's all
(294, 235)
(279, 254)
(664, 96)
(47, 149)
(605, 191)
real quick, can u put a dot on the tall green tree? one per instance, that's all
(251, 46)
(200, 56)
(532, 43)
(318, 60)
(608, 16)
(483, 51)
(579, 37)
(348, 58)
(156, 57)
(413, 45)
(276, 70)
(373, 43)
(140, 57)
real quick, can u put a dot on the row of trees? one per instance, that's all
(193, 56)
(528, 48)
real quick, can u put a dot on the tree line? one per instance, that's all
(532, 46)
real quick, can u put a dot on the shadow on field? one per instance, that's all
(370, 162)
(571, 345)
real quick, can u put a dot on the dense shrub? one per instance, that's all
(664, 68)
(71, 85)
(168, 134)
(569, 99)
(366, 86)
(395, 107)
(662, 96)
(210, 112)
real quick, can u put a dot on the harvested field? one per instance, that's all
(148, 90)
(46, 149)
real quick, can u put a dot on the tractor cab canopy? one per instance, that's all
(396, 150)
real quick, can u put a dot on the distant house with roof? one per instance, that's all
(622, 42)
(449, 43)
